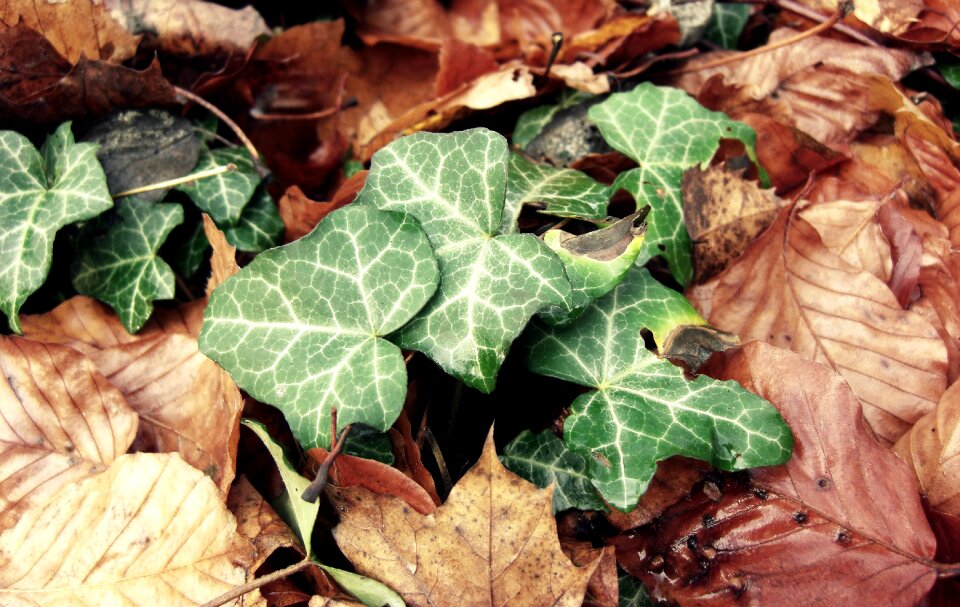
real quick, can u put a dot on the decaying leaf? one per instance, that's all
(60, 421)
(150, 529)
(842, 520)
(790, 290)
(494, 542)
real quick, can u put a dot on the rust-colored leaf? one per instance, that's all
(60, 421)
(790, 290)
(300, 214)
(674, 479)
(494, 542)
(840, 523)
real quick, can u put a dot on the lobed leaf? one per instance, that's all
(117, 261)
(643, 410)
(726, 23)
(223, 196)
(666, 132)
(41, 192)
(301, 326)
(259, 227)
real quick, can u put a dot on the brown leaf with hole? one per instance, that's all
(839, 524)
(789, 290)
(150, 530)
(494, 542)
(74, 29)
(60, 421)
(39, 86)
(723, 213)
(223, 261)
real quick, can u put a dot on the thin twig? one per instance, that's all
(315, 488)
(557, 40)
(257, 583)
(162, 185)
(843, 8)
(438, 458)
(809, 13)
(222, 116)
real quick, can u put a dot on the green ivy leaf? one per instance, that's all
(642, 409)
(566, 192)
(186, 246)
(117, 260)
(224, 196)
(364, 441)
(492, 283)
(595, 263)
(543, 459)
(661, 309)
(301, 326)
(259, 227)
(41, 192)
(532, 122)
(666, 132)
(632, 592)
(726, 24)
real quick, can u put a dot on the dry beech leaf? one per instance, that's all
(60, 421)
(603, 587)
(851, 231)
(494, 542)
(789, 290)
(723, 213)
(932, 448)
(151, 530)
(223, 262)
(939, 280)
(840, 523)
(74, 29)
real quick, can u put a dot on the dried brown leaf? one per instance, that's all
(841, 523)
(789, 290)
(300, 214)
(150, 530)
(674, 479)
(886, 16)
(850, 230)
(60, 421)
(494, 542)
(223, 262)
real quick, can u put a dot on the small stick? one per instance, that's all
(162, 185)
(315, 488)
(222, 116)
(557, 39)
(257, 583)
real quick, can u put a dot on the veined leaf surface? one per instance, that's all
(666, 132)
(492, 283)
(40, 192)
(566, 192)
(300, 326)
(643, 410)
(118, 262)
(259, 227)
(224, 196)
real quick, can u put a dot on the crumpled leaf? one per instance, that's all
(223, 196)
(491, 282)
(841, 521)
(834, 313)
(74, 29)
(544, 460)
(642, 409)
(151, 528)
(665, 132)
(301, 326)
(565, 192)
(41, 192)
(60, 421)
(726, 24)
(117, 259)
(494, 534)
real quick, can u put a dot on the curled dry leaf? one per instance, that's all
(60, 421)
(150, 530)
(223, 262)
(74, 29)
(841, 523)
(940, 282)
(850, 230)
(494, 542)
(790, 290)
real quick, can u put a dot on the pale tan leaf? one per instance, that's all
(81, 322)
(60, 421)
(494, 542)
(887, 16)
(789, 290)
(850, 230)
(223, 262)
(150, 531)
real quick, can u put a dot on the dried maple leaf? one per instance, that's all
(494, 542)
(841, 523)
(60, 421)
(790, 290)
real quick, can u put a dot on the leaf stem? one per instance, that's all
(315, 488)
(257, 583)
(169, 183)
(222, 116)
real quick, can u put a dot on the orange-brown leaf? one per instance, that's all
(494, 542)
(223, 262)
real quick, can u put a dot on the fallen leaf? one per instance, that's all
(82, 323)
(906, 250)
(494, 536)
(259, 522)
(459, 63)
(850, 230)
(407, 454)
(74, 29)
(674, 479)
(41, 87)
(151, 528)
(840, 523)
(223, 262)
(935, 26)
(60, 421)
(886, 16)
(723, 213)
(788, 289)
(940, 282)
